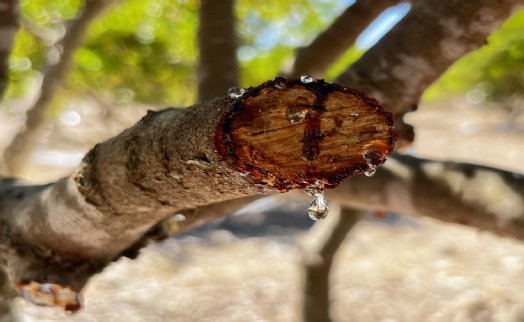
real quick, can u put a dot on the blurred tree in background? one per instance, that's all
(145, 51)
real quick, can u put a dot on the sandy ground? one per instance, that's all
(397, 269)
(412, 271)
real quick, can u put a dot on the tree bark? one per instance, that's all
(486, 198)
(17, 152)
(419, 49)
(318, 252)
(9, 10)
(218, 64)
(328, 46)
(181, 159)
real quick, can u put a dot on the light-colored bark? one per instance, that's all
(432, 36)
(329, 45)
(18, 151)
(218, 64)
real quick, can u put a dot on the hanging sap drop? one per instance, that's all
(318, 208)
(371, 172)
(306, 79)
(296, 114)
(372, 169)
(235, 92)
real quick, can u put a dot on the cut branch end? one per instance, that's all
(289, 133)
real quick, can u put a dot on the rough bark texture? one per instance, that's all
(218, 65)
(432, 36)
(318, 253)
(172, 161)
(8, 27)
(17, 152)
(328, 46)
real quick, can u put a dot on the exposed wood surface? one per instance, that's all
(289, 134)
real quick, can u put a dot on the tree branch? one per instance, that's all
(218, 64)
(9, 24)
(338, 37)
(181, 159)
(318, 252)
(476, 196)
(17, 152)
(432, 36)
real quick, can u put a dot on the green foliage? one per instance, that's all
(146, 50)
(497, 68)
(269, 32)
(141, 50)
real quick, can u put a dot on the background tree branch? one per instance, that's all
(482, 197)
(9, 10)
(216, 43)
(17, 152)
(329, 45)
(432, 36)
(318, 252)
